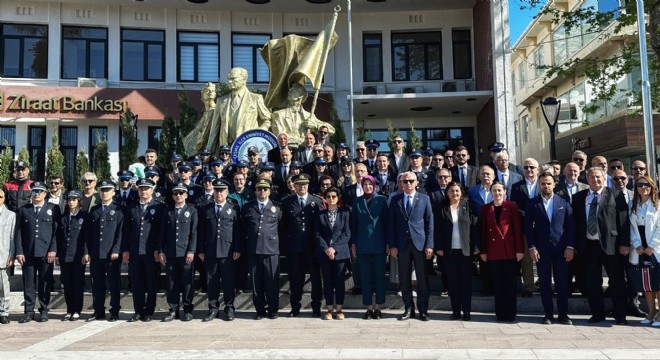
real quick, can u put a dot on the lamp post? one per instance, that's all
(550, 108)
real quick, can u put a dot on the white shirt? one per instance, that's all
(531, 188)
(548, 204)
(455, 233)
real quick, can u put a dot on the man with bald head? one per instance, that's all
(638, 170)
(570, 185)
(601, 162)
(580, 158)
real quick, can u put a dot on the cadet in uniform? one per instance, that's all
(103, 244)
(140, 249)
(195, 191)
(221, 236)
(126, 196)
(298, 215)
(36, 249)
(178, 244)
(260, 223)
(160, 192)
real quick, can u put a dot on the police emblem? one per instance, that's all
(191, 192)
(49, 212)
(157, 194)
(186, 214)
(263, 140)
(152, 211)
(273, 210)
(112, 212)
(228, 211)
(80, 221)
(313, 204)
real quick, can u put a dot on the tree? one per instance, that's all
(187, 119)
(339, 136)
(102, 160)
(54, 159)
(82, 166)
(414, 142)
(391, 134)
(359, 130)
(166, 144)
(24, 155)
(6, 161)
(128, 152)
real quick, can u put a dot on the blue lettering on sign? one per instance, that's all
(263, 140)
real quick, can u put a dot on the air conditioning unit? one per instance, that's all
(449, 86)
(412, 90)
(373, 89)
(470, 85)
(94, 83)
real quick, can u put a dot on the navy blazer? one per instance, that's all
(260, 230)
(36, 236)
(178, 232)
(297, 226)
(220, 235)
(104, 233)
(444, 228)
(71, 237)
(476, 201)
(613, 220)
(520, 195)
(417, 227)
(548, 235)
(142, 235)
(368, 225)
(337, 236)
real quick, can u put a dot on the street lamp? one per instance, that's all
(550, 108)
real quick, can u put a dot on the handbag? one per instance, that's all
(394, 270)
(646, 274)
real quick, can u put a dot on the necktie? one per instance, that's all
(464, 177)
(302, 202)
(235, 101)
(261, 207)
(37, 209)
(125, 195)
(592, 218)
(208, 197)
(178, 211)
(103, 208)
(503, 180)
(285, 171)
(217, 210)
(383, 179)
(409, 204)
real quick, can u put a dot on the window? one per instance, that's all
(142, 55)
(69, 147)
(462, 48)
(8, 138)
(525, 132)
(513, 82)
(571, 114)
(521, 75)
(417, 56)
(96, 134)
(153, 139)
(437, 138)
(84, 52)
(372, 52)
(37, 151)
(539, 60)
(198, 56)
(24, 51)
(245, 54)
(516, 129)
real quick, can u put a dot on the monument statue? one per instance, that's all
(196, 140)
(236, 113)
(294, 120)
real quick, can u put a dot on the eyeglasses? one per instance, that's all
(639, 168)
(224, 153)
(529, 167)
(122, 180)
(37, 192)
(444, 176)
(408, 181)
(438, 159)
(88, 181)
(319, 151)
(178, 193)
(216, 165)
(619, 178)
(398, 141)
(643, 185)
(55, 183)
(331, 196)
(360, 149)
(578, 159)
(262, 189)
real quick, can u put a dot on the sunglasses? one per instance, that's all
(178, 193)
(639, 168)
(438, 159)
(331, 197)
(253, 155)
(184, 171)
(529, 167)
(55, 183)
(619, 178)
(460, 155)
(407, 181)
(87, 181)
(122, 180)
(37, 192)
(323, 132)
(398, 141)
(319, 151)
(361, 149)
(642, 185)
(578, 159)
(224, 153)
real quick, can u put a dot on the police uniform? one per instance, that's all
(126, 197)
(35, 238)
(241, 265)
(103, 238)
(141, 241)
(178, 239)
(299, 244)
(261, 233)
(70, 250)
(221, 234)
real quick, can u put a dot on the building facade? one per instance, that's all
(74, 66)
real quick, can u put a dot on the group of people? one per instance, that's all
(325, 211)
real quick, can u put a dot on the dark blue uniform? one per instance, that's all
(103, 238)
(70, 250)
(35, 238)
(178, 239)
(126, 198)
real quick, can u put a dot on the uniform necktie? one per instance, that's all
(178, 211)
(261, 207)
(208, 197)
(37, 209)
(592, 219)
(302, 202)
(217, 210)
(103, 207)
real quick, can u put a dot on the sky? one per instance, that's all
(519, 19)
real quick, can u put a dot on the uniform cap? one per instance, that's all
(145, 183)
(263, 183)
(125, 174)
(38, 185)
(74, 194)
(301, 178)
(268, 166)
(220, 184)
(107, 184)
(180, 187)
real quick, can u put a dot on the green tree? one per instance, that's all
(82, 166)
(6, 161)
(339, 136)
(128, 152)
(24, 155)
(414, 142)
(187, 119)
(102, 160)
(360, 134)
(391, 134)
(54, 159)
(166, 144)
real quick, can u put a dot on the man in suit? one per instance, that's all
(550, 232)
(479, 194)
(283, 168)
(274, 153)
(638, 170)
(503, 172)
(497, 148)
(579, 157)
(397, 159)
(177, 247)
(55, 194)
(103, 240)
(601, 162)
(297, 227)
(126, 196)
(620, 180)
(372, 151)
(35, 247)
(569, 185)
(304, 153)
(140, 249)
(385, 175)
(410, 232)
(521, 192)
(260, 224)
(464, 174)
(602, 235)
(437, 197)
(238, 112)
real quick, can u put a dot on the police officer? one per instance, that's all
(140, 249)
(70, 249)
(207, 185)
(126, 196)
(17, 190)
(172, 177)
(196, 176)
(103, 239)
(35, 248)
(298, 215)
(206, 159)
(221, 236)
(260, 224)
(160, 192)
(216, 166)
(177, 248)
(194, 190)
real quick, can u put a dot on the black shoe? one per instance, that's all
(424, 317)
(367, 315)
(44, 316)
(187, 317)
(294, 313)
(316, 313)
(230, 314)
(547, 320)
(527, 294)
(96, 316)
(455, 316)
(135, 317)
(377, 315)
(113, 317)
(259, 316)
(272, 315)
(239, 291)
(409, 313)
(356, 291)
(467, 317)
(147, 318)
(621, 322)
(564, 320)
(4, 320)
(26, 318)
(171, 316)
(211, 315)
(596, 319)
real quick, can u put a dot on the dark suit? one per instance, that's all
(411, 234)
(36, 237)
(520, 195)
(301, 155)
(472, 172)
(562, 190)
(575, 267)
(61, 202)
(337, 237)
(220, 238)
(513, 178)
(260, 231)
(371, 165)
(405, 163)
(141, 241)
(275, 157)
(70, 250)
(386, 186)
(613, 232)
(298, 230)
(551, 238)
(278, 179)
(128, 200)
(178, 239)
(476, 199)
(103, 238)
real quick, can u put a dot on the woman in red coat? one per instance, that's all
(502, 248)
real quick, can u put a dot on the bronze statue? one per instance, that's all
(294, 120)
(197, 139)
